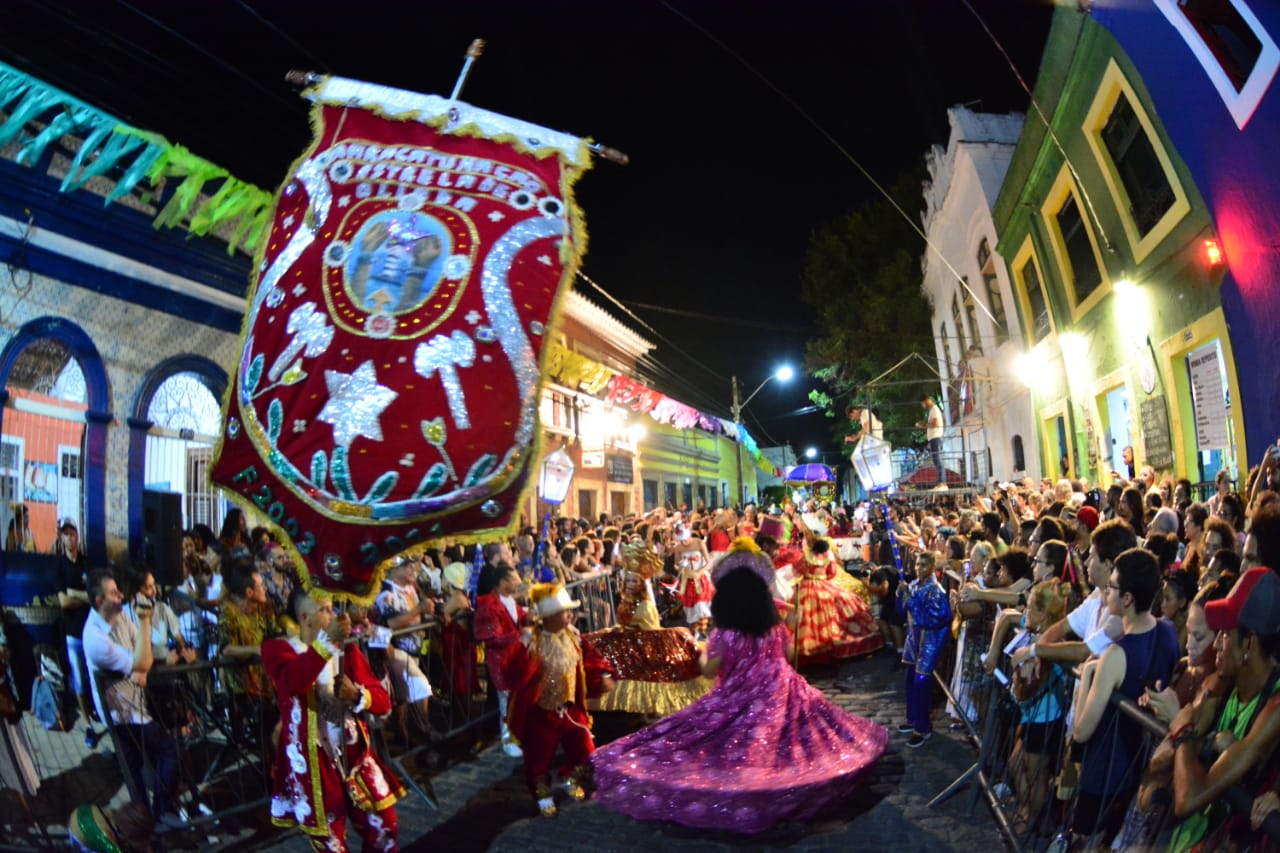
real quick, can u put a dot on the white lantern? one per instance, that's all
(873, 462)
(557, 473)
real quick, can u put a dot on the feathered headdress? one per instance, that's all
(744, 553)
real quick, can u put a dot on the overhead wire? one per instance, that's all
(996, 337)
(321, 65)
(844, 152)
(582, 275)
(235, 71)
(720, 318)
(672, 378)
(1053, 134)
(105, 61)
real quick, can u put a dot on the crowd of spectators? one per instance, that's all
(1074, 599)
(1071, 594)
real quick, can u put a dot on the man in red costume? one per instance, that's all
(325, 767)
(552, 674)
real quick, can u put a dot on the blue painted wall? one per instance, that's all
(1237, 171)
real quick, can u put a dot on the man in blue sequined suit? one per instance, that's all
(928, 612)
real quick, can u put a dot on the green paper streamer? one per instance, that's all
(140, 155)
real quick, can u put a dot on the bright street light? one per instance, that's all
(810, 452)
(782, 374)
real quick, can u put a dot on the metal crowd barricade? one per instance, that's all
(1034, 802)
(462, 704)
(1018, 767)
(224, 756)
(598, 595)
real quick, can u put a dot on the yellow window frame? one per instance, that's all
(1027, 254)
(1064, 186)
(1113, 85)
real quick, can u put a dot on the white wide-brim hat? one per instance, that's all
(553, 604)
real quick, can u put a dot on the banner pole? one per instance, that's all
(474, 52)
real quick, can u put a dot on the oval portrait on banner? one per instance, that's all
(397, 259)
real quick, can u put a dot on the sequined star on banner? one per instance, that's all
(356, 401)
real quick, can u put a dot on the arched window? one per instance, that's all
(1019, 457)
(177, 425)
(53, 417)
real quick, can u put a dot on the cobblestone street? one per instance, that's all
(484, 804)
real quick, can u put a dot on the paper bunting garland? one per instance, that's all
(577, 371)
(237, 210)
(387, 392)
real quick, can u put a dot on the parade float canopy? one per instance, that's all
(873, 463)
(810, 472)
(386, 394)
(818, 478)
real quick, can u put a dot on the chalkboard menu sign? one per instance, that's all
(617, 468)
(1155, 433)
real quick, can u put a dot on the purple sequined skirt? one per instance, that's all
(762, 747)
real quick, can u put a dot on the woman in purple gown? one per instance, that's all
(762, 747)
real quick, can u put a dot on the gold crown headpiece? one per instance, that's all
(638, 559)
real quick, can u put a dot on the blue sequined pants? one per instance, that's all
(917, 688)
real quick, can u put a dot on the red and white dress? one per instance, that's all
(325, 768)
(696, 589)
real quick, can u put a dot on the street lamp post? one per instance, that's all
(782, 374)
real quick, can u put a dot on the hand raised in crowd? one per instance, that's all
(426, 607)
(139, 678)
(187, 654)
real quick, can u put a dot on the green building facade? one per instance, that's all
(1110, 249)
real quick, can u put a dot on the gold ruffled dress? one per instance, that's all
(658, 668)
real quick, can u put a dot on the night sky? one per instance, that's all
(727, 179)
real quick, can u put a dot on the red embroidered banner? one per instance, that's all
(388, 385)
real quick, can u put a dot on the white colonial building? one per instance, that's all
(990, 431)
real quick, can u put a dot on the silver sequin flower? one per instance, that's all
(333, 566)
(457, 266)
(312, 335)
(444, 355)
